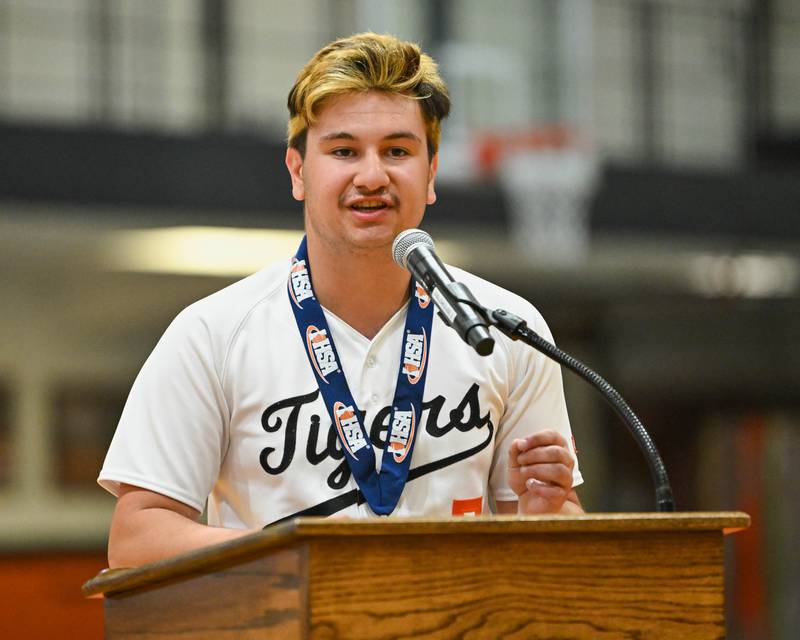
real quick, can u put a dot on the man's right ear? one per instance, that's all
(294, 163)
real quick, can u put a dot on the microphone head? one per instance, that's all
(406, 241)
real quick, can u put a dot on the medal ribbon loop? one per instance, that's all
(381, 490)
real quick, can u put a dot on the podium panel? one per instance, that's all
(593, 576)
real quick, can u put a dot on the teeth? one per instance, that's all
(369, 205)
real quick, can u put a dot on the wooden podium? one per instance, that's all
(646, 575)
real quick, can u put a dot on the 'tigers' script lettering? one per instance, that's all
(293, 418)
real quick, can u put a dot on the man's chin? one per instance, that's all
(374, 239)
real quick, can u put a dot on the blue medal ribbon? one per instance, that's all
(381, 490)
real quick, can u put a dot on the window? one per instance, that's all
(85, 417)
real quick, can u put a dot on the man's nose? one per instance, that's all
(371, 174)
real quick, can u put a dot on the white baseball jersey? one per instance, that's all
(226, 408)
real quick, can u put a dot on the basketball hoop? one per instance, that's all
(549, 176)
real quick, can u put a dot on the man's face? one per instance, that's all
(366, 175)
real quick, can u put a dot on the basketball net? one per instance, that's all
(549, 179)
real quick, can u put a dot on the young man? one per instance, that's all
(309, 387)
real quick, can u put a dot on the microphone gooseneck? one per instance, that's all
(517, 329)
(458, 308)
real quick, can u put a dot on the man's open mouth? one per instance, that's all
(369, 206)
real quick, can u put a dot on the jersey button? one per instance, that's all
(371, 362)
(374, 398)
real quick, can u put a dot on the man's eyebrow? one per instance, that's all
(344, 135)
(403, 135)
(338, 135)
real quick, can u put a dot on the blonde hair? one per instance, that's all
(368, 62)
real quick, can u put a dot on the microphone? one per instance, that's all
(413, 250)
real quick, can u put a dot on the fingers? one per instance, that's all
(542, 498)
(544, 455)
(544, 447)
(513, 453)
(541, 439)
(547, 474)
(540, 469)
(547, 492)
(541, 459)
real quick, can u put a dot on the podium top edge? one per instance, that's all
(726, 521)
(305, 529)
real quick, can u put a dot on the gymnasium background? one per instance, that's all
(630, 166)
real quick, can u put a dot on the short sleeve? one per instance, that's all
(172, 435)
(536, 402)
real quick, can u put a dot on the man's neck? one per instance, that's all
(365, 290)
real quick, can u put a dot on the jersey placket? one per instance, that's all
(377, 384)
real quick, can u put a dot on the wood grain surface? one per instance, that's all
(660, 586)
(249, 547)
(259, 599)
